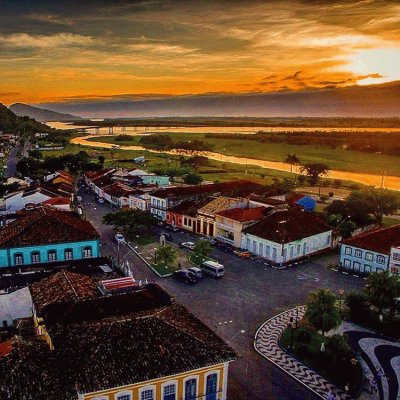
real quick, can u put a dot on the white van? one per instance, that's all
(213, 269)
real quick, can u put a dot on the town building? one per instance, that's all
(284, 236)
(374, 251)
(138, 345)
(46, 235)
(231, 223)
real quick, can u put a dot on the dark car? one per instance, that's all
(172, 228)
(185, 276)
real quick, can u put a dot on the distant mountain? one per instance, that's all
(40, 114)
(354, 101)
(11, 123)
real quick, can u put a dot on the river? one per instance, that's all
(390, 182)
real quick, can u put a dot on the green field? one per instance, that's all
(335, 158)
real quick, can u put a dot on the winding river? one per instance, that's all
(389, 182)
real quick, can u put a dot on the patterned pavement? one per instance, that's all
(266, 343)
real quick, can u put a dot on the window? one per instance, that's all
(347, 251)
(124, 397)
(347, 263)
(358, 253)
(254, 247)
(211, 387)
(356, 266)
(298, 249)
(52, 255)
(191, 389)
(261, 249)
(87, 252)
(367, 268)
(18, 259)
(147, 394)
(328, 240)
(369, 256)
(396, 256)
(267, 250)
(380, 259)
(35, 257)
(169, 392)
(68, 254)
(274, 253)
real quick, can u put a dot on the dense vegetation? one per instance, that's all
(370, 142)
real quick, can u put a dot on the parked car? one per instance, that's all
(100, 200)
(242, 253)
(185, 276)
(196, 271)
(187, 245)
(212, 241)
(79, 198)
(119, 238)
(172, 228)
(167, 235)
(213, 269)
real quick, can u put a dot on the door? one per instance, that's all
(191, 389)
(211, 388)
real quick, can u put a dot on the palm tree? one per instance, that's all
(382, 290)
(203, 248)
(166, 254)
(292, 159)
(322, 312)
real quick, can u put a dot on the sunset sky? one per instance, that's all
(56, 51)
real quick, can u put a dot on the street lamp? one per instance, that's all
(341, 292)
(155, 255)
(290, 325)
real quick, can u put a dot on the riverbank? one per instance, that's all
(390, 182)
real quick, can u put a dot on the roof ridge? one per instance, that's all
(70, 284)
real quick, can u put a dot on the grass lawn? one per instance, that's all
(164, 270)
(335, 158)
(145, 239)
(387, 221)
(197, 259)
(321, 362)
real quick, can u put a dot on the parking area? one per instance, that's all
(236, 305)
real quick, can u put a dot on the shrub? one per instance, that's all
(303, 336)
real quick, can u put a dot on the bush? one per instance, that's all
(357, 302)
(123, 138)
(303, 336)
(193, 179)
(331, 194)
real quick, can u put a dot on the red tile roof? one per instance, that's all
(379, 240)
(64, 286)
(288, 226)
(235, 188)
(244, 214)
(46, 225)
(57, 201)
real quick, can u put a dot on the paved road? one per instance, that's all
(247, 296)
(12, 163)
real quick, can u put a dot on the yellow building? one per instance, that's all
(135, 344)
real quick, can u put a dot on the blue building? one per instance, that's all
(46, 235)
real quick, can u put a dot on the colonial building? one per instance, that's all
(47, 235)
(139, 345)
(374, 251)
(231, 223)
(285, 236)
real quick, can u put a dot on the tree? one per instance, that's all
(314, 171)
(357, 302)
(195, 162)
(193, 179)
(37, 154)
(337, 345)
(130, 221)
(203, 248)
(292, 159)
(382, 290)
(166, 255)
(322, 312)
(378, 202)
(101, 159)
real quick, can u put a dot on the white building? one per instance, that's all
(15, 305)
(284, 236)
(374, 251)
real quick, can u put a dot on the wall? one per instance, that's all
(361, 260)
(157, 385)
(289, 251)
(7, 255)
(18, 202)
(155, 180)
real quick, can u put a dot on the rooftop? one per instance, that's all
(46, 225)
(288, 226)
(244, 214)
(188, 207)
(379, 240)
(219, 204)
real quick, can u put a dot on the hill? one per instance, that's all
(11, 123)
(40, 114)
(353, 101)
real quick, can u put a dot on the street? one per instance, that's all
(247, 296)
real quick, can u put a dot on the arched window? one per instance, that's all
(191, 389)
(68, 254)
(212, 386)
(18, 258)
(51, 255)
(35, 257)
(87, 252)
